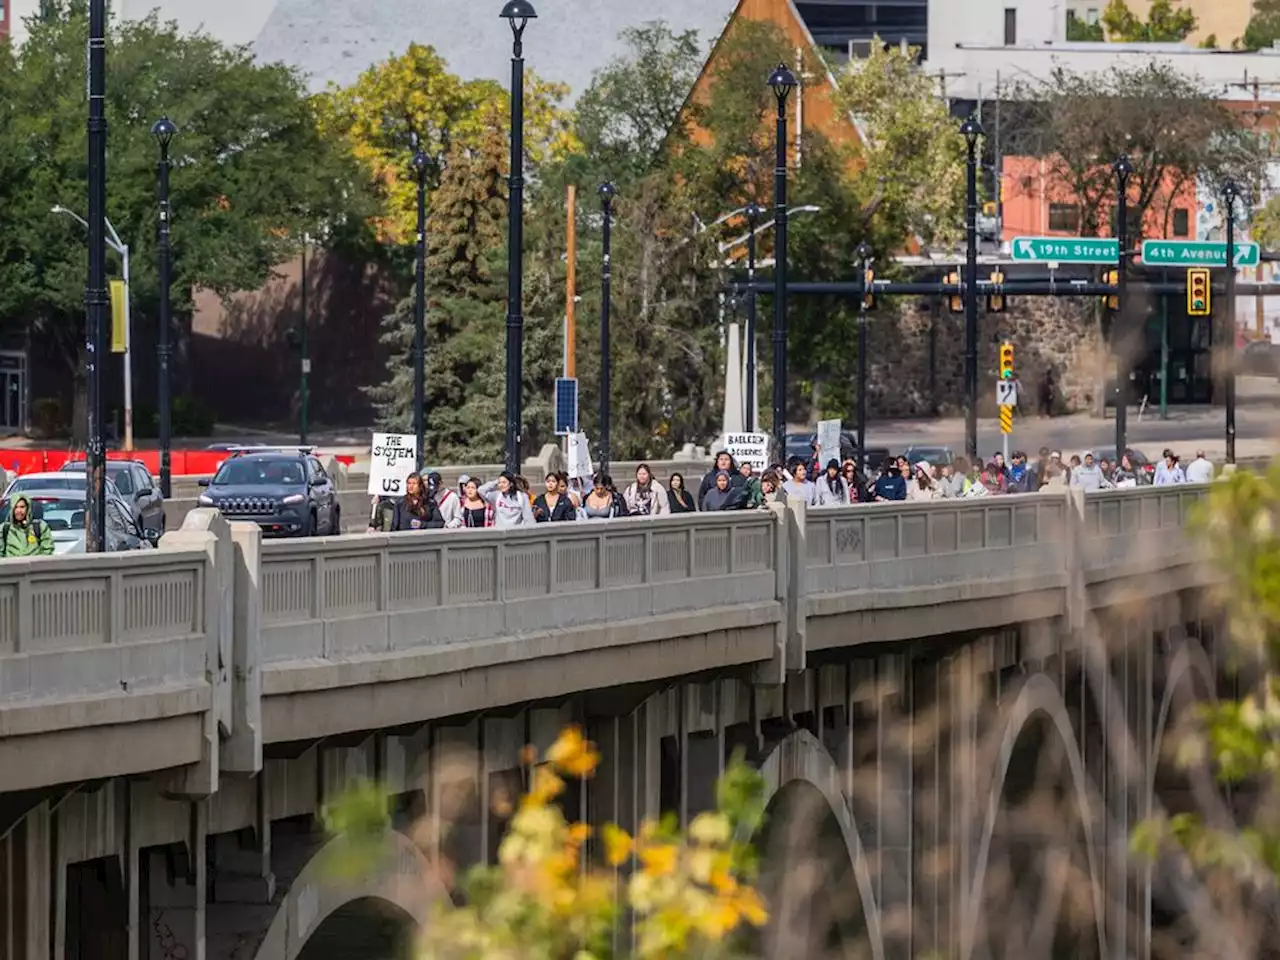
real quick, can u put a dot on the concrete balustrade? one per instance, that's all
(194, 656)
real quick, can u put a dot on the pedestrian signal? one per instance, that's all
(1111, 278)
(1006, 361)
(868, 285)
(995, 301)
(1198, 300)
(955, 301)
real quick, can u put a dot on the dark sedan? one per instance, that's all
(136, 486)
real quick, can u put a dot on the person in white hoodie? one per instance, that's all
(1199, 470)
(511, 507)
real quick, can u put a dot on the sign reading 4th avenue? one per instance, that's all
(1196, 253)
(1066, 249)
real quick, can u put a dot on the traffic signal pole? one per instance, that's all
(1229, 193)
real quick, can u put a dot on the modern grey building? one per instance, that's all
(847, 27)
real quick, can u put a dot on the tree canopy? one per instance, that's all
(1165, 23)
(251, 171)
(1173, 131)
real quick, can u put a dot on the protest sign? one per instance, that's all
(392, 458)
(752, 448)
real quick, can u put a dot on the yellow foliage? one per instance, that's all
(541, 900)
(414, 97)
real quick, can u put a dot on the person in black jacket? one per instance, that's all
(678, 498)
(416, 510)
(553, 506)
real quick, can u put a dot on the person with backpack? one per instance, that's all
(22, 535)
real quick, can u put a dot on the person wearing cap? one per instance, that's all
(1200, 470)
(1087, 476)
(447, 501)
(921, 485)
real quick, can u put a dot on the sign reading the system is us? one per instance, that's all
(392, 458)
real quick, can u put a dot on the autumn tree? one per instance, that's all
(1081, 31)
(1165, 23)
(1264, 26)
(413, 98)
(1175, 133)
(911, 160)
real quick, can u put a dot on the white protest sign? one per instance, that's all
(829, 439)
(752, 448)
(579, 456)
(393, 457)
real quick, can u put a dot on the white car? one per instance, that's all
(60, 480)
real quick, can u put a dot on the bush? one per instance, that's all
(50, 419)
(690, 893)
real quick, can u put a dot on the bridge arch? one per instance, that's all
(800, 764)
(402, 885)
(1189, 663)
(1039, 700)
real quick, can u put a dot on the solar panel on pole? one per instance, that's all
(566, 405)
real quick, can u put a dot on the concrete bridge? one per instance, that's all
(172, 722)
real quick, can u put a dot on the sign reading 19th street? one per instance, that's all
(1196, 253)
(1066, 249)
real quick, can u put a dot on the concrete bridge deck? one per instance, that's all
(172, 712)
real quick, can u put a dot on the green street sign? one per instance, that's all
(1065, 250)
(1196, 253)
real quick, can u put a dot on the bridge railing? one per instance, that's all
(93, 625)
(1129, 532)
(383, 593)
(903, 546)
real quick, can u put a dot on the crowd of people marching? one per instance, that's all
(509, 501)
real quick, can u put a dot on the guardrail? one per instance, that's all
(338, 596)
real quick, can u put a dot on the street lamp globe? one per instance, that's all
(782, 81)
(607, 191)
(164, 131)
(864, 251)
(1230, 191)
(1123, 167)
(420, 164)
(754, 211)
(518, 13)
(971, 130)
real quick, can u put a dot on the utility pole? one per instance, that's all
(96, 299)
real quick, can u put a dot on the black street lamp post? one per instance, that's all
(782, 81)
(753, 212)
(517, 13)
(96, 300)
(1123, 169)
(304, 349)
(1231, 193)
(164, 131)
(864, 265)
(420, 313)
(972, 131)
(607, 193)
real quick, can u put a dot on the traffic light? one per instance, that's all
(1198, 300)
(1006, 361)
(995, 302)
(868, 298)
(956, 301)
(1112, 279)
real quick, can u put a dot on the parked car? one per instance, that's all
(936, 456)
(60, 480)
(801, 445)
(136, 486)
(63, 510)
(286, 492)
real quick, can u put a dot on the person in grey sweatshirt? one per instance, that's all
(800, 487)
(511, 507)
(1087, 476)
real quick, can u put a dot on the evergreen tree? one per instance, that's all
(466, 303)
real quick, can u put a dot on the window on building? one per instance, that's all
(1010, 26)
(1091, 15)
(1064, 218)
(1181, 222)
